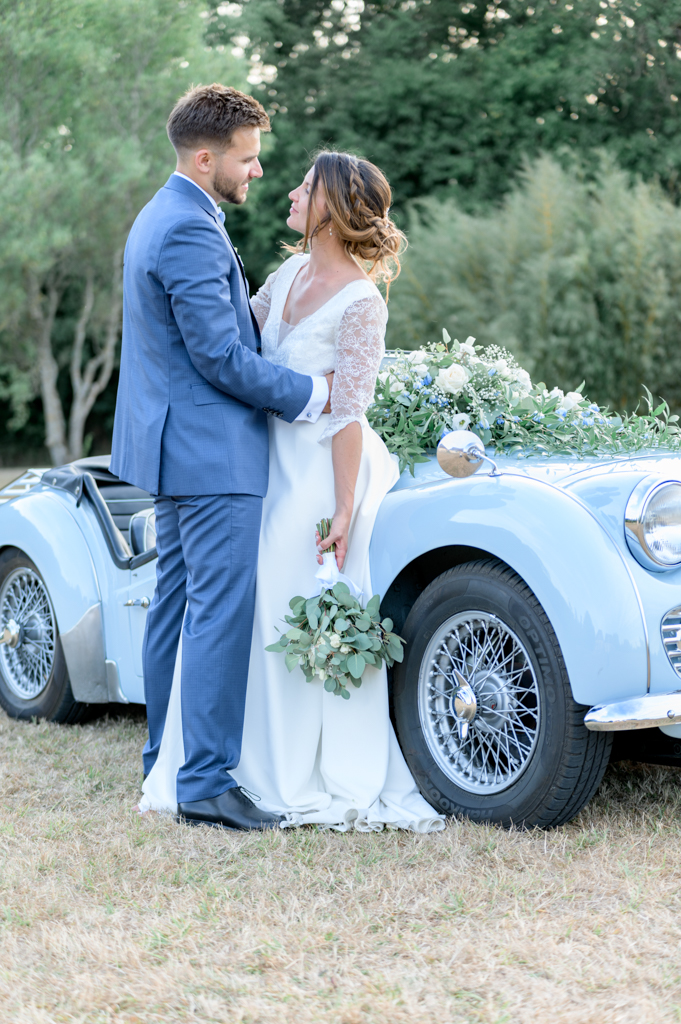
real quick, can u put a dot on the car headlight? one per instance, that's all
(652, 523)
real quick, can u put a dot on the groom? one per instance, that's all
(191, 428)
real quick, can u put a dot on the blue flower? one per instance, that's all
(405, 377)
(418, 385)
(500, 421)
(538, 417)
(594, 407)
(427, 379)
(561, 414)
(434, 400)
(587, 421)
(516, 419)
(491, 372)
(481, 426)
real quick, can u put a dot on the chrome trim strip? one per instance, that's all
(31, 478)
(83, 647)
(646, 712)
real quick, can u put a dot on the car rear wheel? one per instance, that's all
(34, 680)
(483, 706)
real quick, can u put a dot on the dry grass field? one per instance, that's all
(108, 918)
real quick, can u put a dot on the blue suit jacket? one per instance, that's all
(193, 391)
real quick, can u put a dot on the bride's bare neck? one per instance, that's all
(329, 260)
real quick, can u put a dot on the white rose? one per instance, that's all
(502, 368)
(383, 376)
(452, 378)
(556, 393)
(467, 349)
(522, 378)
(421, 370)
(461, 421)
(335, 640)
(418, 356)
(397, 386)
(571, 401)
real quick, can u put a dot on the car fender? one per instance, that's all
(559, 548)
(65, 563)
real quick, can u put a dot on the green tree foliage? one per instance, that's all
(579, 276)
(86, 87)
(449, 97)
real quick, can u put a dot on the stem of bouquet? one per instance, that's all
(324, 529)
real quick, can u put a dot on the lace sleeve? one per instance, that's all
(262, 300)
(360, 347)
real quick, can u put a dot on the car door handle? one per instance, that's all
(139, 602)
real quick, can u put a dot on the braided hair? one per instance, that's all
(358, 201)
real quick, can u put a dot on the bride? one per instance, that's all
(309, 756)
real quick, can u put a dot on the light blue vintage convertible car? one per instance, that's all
(540, 600)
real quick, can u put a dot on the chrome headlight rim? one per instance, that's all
(634, 516)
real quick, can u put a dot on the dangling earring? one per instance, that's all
(330, 231)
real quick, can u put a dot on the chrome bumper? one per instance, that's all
(646, 712)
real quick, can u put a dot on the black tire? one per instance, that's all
(564, 763)
(55, 702)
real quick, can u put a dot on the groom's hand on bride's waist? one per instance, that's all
(329, 381)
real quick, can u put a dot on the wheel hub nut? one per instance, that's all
(465, 704)
(11, 634)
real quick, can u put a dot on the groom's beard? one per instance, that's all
(228, 189)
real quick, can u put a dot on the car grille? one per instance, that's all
(671, 637)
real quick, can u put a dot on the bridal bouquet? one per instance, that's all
(463, 386)
(332, 637)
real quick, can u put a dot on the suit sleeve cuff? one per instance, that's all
(318, 399)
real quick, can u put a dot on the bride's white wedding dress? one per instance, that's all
(308, 754)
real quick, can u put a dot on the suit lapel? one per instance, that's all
(243, 277)
(188, 188)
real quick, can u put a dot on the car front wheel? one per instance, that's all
(483, 706)
(34, 680)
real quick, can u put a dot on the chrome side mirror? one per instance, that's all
(461, 453)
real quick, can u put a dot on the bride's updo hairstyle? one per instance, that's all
(358, 199)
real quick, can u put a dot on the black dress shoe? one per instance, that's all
(233, 809)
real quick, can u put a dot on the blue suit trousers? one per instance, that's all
(207, 559)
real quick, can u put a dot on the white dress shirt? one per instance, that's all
(320, 387)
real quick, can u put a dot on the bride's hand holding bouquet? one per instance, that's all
(332, 636)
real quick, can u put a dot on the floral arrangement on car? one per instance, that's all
(332, 637)
(463, 386)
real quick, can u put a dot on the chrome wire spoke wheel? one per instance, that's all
(479, 702)
(28, 627)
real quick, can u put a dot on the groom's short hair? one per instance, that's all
(208, 115)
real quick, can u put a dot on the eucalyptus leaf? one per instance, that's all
(356, 665)
(291, 661)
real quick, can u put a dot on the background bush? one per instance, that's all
(579, 276)
(575, 269)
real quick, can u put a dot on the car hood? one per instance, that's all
(559, 471)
